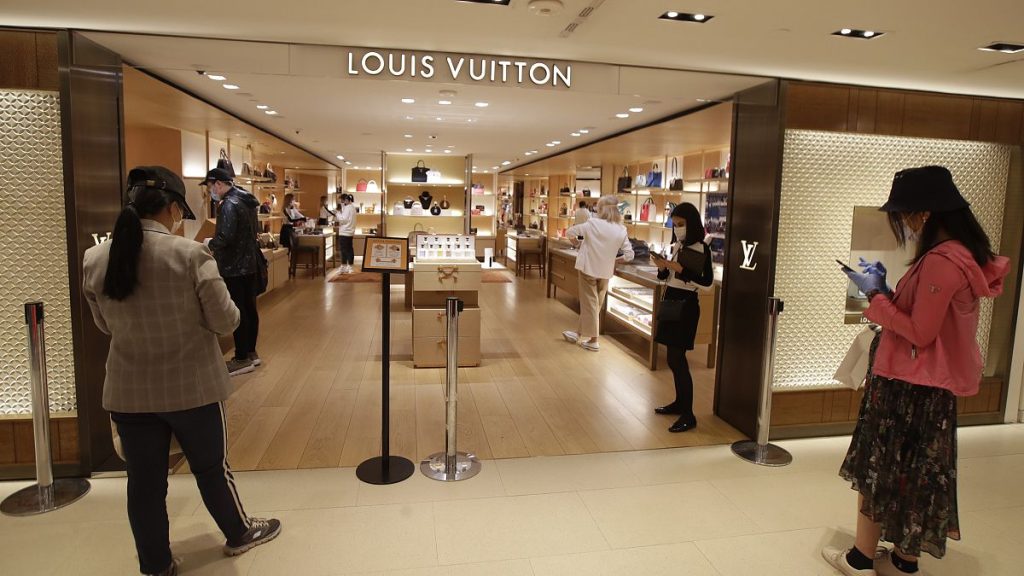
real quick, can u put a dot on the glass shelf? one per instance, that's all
(441, 184)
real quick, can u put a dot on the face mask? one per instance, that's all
(177, 222)
(911, 236)
(680, 232)
(214, 196)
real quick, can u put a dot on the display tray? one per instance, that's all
(637, 321)
(641, 297)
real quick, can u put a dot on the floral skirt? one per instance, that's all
(902, 460)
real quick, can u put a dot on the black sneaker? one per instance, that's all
(260, 531)
(238, 366)
(171, 570)
(255, 359)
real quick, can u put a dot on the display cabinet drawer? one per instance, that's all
(433, 352)
(447, 277)
(433, 322)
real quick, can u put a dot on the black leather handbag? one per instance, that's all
(671, 311)
(419, 172)
(625, 182)
(676, 183)
(224, 163)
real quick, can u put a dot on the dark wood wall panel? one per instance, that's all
(937, 116)
(819, 107)
(29, 60)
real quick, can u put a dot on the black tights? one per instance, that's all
(683, 380)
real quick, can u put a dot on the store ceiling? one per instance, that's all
(928, 45)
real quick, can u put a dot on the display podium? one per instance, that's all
(445, 266)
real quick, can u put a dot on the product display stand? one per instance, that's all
(385, 469)
(47, 494)
(760, 451)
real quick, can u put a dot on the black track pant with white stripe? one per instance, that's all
(146, 439)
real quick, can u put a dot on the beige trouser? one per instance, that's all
(592, 294)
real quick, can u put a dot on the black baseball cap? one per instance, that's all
(924, 189)
(218, 175)
(159, 178)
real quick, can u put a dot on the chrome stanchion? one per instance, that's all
(46, 494)
(451, 465)
(761, 451)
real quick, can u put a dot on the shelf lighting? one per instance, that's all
(859, 34)
(685, 17)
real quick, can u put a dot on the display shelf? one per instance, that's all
(441, 184)
(646, 304)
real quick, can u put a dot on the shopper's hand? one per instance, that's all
(867, 282)
(875, 268)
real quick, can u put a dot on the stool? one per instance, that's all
(530, 256)
(305, 257)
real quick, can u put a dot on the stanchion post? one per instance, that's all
(761, 451)
(46, 494)
(451, 465)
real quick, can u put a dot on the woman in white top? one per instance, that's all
(346, 219)
(582, 213)
(679, 311)
(604, 239)
(291, 209)
(325, 213)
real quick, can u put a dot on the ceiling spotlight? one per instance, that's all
(550, 145)
(408, 135)
(684, 17)
(499, 2)
(494, 167)
(231, 87)
(622, 115)
(636, 109)
(216, 77)
(271, 113)
(482, 104)
(409, 118)
(1004, 47)
(845, 31)
(439, 118)
(340, 157)
(408, 100)
(408, 149)
(444, 102)
(585, 130)
(556, 142)
(868, 33)
(447, 151)
(860, 34)
(262, 106)
(575, 134)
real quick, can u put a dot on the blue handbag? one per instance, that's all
(654, 177)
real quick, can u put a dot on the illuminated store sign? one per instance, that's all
(749, 251)
(456, 68)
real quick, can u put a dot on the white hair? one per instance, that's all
(608, 209)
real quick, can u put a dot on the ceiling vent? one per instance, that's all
(545, 7)
(582, 17)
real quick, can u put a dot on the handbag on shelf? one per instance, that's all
(478, 189)
(645, 210)
(224, 162)
(586, 193)
(408, 202)
(269, 173)
(676, 183)
(419, 172)
(445, 204)
(654, 177)
(641, 181)
(669, 207)
(625, 182)
(361, 185)
(398, 209)
(435, 210)
(372, 187)
(246, 170)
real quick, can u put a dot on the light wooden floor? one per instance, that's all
(316, 400)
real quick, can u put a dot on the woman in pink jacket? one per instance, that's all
(902, 458)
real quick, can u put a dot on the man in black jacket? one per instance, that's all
(235, 248)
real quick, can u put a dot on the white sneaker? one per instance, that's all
(571, 336)
(593, 346)
(836, 557)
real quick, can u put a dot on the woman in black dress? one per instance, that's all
(687, 268)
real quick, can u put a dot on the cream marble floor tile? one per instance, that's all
(794, 553)
(514, 527)
(990, 482)
(996, 440)
(668, 560)
(986, 549)
(34, 547)
(504, 568)
(543, 475)
(1008, 521)
(665, 514)
(296, 489)
(419, 488)
(792, 501)
(350, 540)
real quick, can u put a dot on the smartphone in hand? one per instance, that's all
(844, 267)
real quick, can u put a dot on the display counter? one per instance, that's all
(515, 241)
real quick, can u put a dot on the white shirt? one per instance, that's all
(346, 218)
(293, 213)
(602, 240)
(582, 215)
(674, 282)
(325, 213)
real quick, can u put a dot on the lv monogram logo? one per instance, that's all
(749, 250)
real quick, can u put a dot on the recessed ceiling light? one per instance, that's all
(471, 120)
(1004, 47)
(439, 118)
(636, 109)
(447, 151)
(482, 104)
(231, 87)
(860, 34)
(262, 106)
(494, 167)
(556, 142)
(498, 2)
(408, 149)
(585, 130)
(347, 163)
(408, 135)
(409, 118)
(340, 157)
(550, 145)
(622, 115)
(272, 113)
(216, 77)
(452, 146)
(444, 102)
(408, 100)
(685, 17)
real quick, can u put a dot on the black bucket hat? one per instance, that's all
(924, 189)
(159, 178)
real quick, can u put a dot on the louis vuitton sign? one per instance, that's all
(499, 71)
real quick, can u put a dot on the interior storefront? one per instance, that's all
(776, 168)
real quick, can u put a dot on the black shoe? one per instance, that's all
(672, 408)
(684, 424)
(260, 532)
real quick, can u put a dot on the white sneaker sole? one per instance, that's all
(590, 347)
(229, 551)
(257, 362)
(241, 371)
(571, 337)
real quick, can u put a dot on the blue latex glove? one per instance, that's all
(875, 268)
(867, 282)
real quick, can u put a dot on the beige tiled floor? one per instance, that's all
(685, 511)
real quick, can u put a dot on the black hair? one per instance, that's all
(959, 225)
(122, 275)
(694, 225)
(583, 203)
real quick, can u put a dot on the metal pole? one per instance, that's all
(46, 495)
(451, 465)
(761, 451)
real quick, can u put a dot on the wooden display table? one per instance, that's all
(433, 281)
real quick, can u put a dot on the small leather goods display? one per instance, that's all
(676, 182)
(224, 162)
(419, 172)
(426, 199)
(372, 187)
(435, 210)
(444, 203)
(654, 177)
(361, 185)
(625, 182)
(645, 210)
(408, 202)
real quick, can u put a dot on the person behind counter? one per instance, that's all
(604, 239)
(582, 213)
(291, 210)
(163, 303)
(346, 219)
(687, 268)
(325, 213)
(902, 457)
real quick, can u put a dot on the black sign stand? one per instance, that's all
(385, 469)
